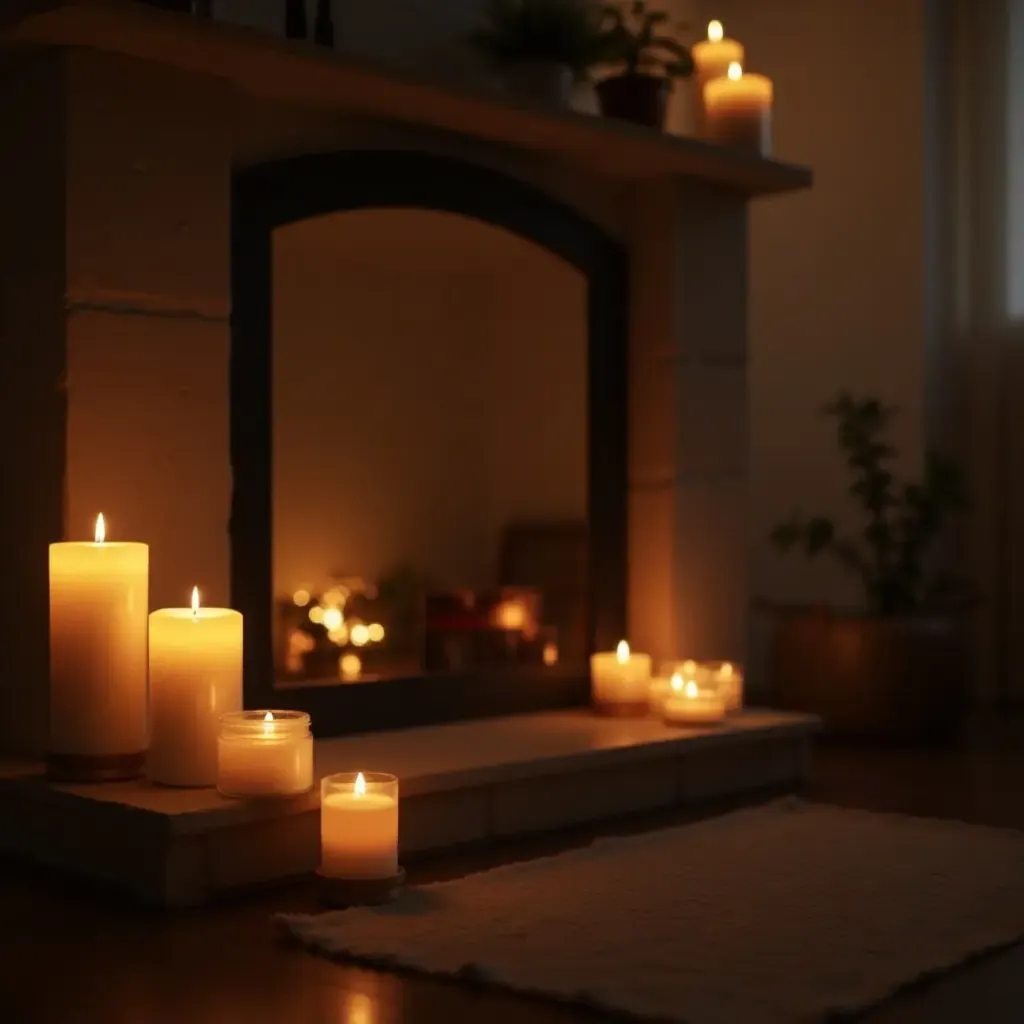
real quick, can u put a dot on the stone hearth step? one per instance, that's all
(461, 783)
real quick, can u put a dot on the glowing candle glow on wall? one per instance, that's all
(739, 110)
(711, 59)
(99, 596)
(195, 676)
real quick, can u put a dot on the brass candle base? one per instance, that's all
(358, 892)
(95, 768)
(623, 709)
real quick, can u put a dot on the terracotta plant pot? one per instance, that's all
(640, 99)
(547, 84)
(899, 680)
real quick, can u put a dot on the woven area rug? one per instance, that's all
(785, 913)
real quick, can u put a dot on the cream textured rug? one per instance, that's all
(780, 914)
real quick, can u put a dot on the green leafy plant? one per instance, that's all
(565, 32)
(633, 38)
(893, 555)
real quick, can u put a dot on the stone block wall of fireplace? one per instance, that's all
(118, 296)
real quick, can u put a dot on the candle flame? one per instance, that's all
(268, 724)
(101, 529)
(195, 602)
(735, 70)
(677, 682)
(359, 787)
(691, 689)
(726, 670)
(622, 653)
(715, 31)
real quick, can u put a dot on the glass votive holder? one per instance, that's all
(661, 684)
(359, 826)
(692, 701)
(728, 677)
(264, 754)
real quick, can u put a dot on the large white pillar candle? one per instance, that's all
(359, 826)
(711, 59)
(264, 754)
(195, 677)
(739, 111)
(620, 680)
(99, 599)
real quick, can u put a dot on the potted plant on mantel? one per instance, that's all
(898, 670)
(649, 62)
(540, 47)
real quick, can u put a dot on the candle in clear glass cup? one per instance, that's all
(620, 677)
(711, 59)
(264, 754)
(661, 684)
(689, 704)
(728, 677)
(195, 677)
(359, 825)
(738, 109)
(99, 600)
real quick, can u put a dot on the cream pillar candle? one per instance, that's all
(739, 111)
(264, 754)
(359, 826)
(195, 677)
(99, 597)
(688, 704)
(620, 680)
(711, 59)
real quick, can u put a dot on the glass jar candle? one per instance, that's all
(359, 826)
(264, 754)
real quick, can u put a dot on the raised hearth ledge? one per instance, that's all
(467, 782)
(275, 68)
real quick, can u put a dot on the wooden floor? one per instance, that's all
(66, 958)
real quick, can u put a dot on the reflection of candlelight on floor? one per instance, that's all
(359, 1009)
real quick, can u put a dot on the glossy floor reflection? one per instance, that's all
(67, 957)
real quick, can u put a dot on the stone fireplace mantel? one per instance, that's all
(278, 69)
(128, 135)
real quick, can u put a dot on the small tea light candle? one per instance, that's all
(739, 110)
(195, 677)
(620, 679)
(688, 704)
(99, 599)
(264, 754)
(711, 60)
(661, 685)
(359, 826)
(728, 678)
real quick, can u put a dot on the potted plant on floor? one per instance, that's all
(897, 669)
(540, 47)
(649, 61)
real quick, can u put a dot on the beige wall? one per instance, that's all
(430, 388)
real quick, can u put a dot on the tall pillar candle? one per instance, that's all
(195, 676)
(99, 600)
(711, 59)
(738, 108)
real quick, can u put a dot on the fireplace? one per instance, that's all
(429, 436)
(160, 258)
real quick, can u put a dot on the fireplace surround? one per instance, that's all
(150, 157)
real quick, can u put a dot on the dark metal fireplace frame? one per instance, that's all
(272, 195)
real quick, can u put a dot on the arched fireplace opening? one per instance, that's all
(428, 438)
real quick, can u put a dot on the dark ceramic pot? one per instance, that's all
(640, 99)
(898, 680)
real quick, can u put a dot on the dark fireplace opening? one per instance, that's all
(428, 441)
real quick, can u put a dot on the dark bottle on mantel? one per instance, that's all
(323, 26)
(295, 19)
